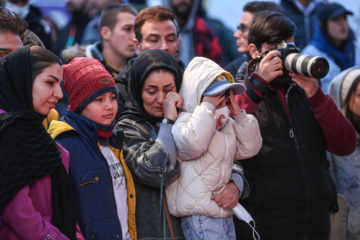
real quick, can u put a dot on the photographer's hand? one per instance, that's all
(270, 66)
(310, 85)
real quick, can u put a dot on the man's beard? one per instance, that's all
(76, 11)
(182, 10)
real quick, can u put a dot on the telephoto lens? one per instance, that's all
(307, 65)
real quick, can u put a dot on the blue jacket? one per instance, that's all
(305, 21)
(90, 176)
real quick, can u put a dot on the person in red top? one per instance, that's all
(292, 193)
(198, 39)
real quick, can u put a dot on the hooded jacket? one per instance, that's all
(206, 154)
(91, 178)
(338, 60)
(345, 170)
(95, 51)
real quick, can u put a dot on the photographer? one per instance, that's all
(292, 193)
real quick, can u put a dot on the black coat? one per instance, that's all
(292, 193)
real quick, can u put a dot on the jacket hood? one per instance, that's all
(198, 76)
(189, 25)
(340, 86)
(94, 51)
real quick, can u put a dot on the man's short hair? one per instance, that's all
(270, 27)
(11, 22)
(108, 16)
(153, 14)
(258, 6)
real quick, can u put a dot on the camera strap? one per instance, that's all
(251, 93)
(249, 84)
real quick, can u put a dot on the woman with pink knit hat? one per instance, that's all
(103, 186)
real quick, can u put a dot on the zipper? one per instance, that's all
(300, 158)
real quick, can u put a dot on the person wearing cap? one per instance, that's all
(208, 141)
(335, 41)
(103, 186)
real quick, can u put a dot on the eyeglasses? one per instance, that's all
(242, 27)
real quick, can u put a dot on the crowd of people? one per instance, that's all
(136, 122)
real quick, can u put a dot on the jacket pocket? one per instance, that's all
(87, 178)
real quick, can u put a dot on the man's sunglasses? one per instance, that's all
(242, 27)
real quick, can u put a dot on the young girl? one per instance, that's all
(104, 189)
(36, 197)
(344, 89)
(208, 141)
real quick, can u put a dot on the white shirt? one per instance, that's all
(119, 185)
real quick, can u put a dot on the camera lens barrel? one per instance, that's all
(308, 65)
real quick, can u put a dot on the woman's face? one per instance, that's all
(46, 90)
(102, 109)
(338, 28)
(154, 90)
(354, 103)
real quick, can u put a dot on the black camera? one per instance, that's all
(303, 64)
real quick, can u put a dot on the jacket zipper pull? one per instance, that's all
(291, 133)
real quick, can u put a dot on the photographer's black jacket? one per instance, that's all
(292, 193)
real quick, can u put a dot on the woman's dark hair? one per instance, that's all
(354, 119)
(270, 27)
(325, 30)
(41, 59)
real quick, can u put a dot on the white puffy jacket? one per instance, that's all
(206, 154)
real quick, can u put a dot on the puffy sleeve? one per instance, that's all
(248, 137)
(193, 132)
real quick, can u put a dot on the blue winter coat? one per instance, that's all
(90, 176)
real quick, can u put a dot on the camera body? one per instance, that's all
(303, 64)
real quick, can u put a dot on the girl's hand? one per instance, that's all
(215, 100)
(232, 104)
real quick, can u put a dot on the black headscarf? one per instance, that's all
(28, 153)
(144, 64)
